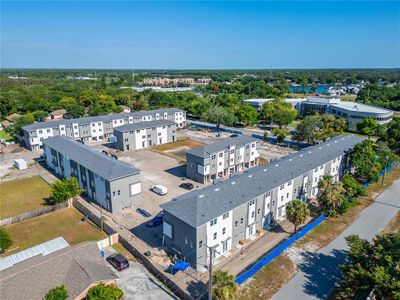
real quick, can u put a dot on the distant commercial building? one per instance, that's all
(95, 128)
(57, 114)
(111, 183)
(223, 158)
(144, 134)
(224, 214)
(352, 112)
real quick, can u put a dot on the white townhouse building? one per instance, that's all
(112, 184)
(224, 214)
(97, 128)
(222, 158)
(144, 134)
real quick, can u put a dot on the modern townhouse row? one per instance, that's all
(112, 184)
(144, 134)
(224, 214)
(95, 128)
(222, 159)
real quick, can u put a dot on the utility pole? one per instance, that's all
(210, 274)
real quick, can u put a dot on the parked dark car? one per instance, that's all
(187, 186)
(156, 221)
(234, 135)
(118, 261)
(143, 212)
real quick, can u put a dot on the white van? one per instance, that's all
(159, 189)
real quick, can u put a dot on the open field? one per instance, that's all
(177, 149)
(22, 195)
(65, 222)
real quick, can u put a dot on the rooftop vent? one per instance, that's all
(233, 182)
(301, 155)
(276, 165)
(265, 170)
(250, 176)
(216, 190)
(290, 159)
(201, 196)
(309, 151)
(319, 148)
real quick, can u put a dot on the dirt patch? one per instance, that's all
(269, 279)
(393, 226)
(178, 149)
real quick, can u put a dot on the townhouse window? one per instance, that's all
(215, 236)
(149, 135)
(137, 131)
(258, 211)
(221, 154)
(213, 222)
(225, 216)
(252, 202)
(273, 203)
(113, 193)
(126, 140)
(282, 187)
(75, 127)
(236, 223)
(321, 167)
(48, 130)
(315, 179)
(223, 230)
(99, 124)
(316, 170)
(220, 164)
(252, 153)
(213, 156)
(232, 151)
(241, 221)
(252, 214)
(200, 244)
(253, 145)
(191, 244)
(62, 128)
(159, 134)
(143, 136)
(268, 194)
(173, 131)
(287, 195)
(100, 130)
(289, 183)
(268, 205)
(163, 127)
(281, 198)
(40, 131)
(119, 192)
(247, 147)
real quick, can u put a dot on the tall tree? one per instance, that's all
(367, 127)
(279, 111)
(57, 293)
(246, 114)
(330, 194)
(351, 186)
(373, 266)
(364, 161)
(309, 129)
(224, 286)
(219, 115)
(105, 292)
(63, 190)
(297, 212)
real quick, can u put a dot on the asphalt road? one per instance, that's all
(318, 271)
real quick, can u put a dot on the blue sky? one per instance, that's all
(200, 35)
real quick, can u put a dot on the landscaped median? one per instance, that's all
(266, 282)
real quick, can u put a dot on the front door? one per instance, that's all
(224, 246)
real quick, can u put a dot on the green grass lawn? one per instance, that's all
(65, 222)
(22, 195)
(4, 135)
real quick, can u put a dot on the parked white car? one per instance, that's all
(159, 189)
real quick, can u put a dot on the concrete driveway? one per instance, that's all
(318, 272)
(137, 283)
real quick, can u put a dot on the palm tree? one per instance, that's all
(225, 287)
(105, 292)
(297, 212)
(330, 194)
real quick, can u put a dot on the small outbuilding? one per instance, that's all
(20, 164)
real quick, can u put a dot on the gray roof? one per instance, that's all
(207, 150)
(75, 267)
(144, 124)
(200, 206)
(107, 118)
(99, 163)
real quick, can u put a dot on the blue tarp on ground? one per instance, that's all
(180, 266)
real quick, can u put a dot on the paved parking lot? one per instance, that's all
(137, 283)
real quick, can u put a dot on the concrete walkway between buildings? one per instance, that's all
(318, 271)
